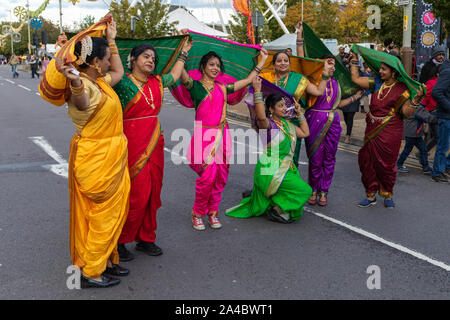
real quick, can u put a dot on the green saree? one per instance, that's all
(277, 181)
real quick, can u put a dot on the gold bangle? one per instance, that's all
(77, 91)
(113, 48)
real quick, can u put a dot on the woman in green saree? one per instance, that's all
(278, 189)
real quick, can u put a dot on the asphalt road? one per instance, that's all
(328, 254)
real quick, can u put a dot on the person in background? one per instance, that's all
(34, 66)
(289, 51)
(441, 93)
(342, 57)
(14, 61)
(429, 68)
(413, 132)
(389, 45)
(365, 100)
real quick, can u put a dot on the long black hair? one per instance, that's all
(207, 57)
(272, 100)
(99, 46)
(138, 50)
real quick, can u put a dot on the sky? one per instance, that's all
(204, 10)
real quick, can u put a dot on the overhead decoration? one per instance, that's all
(20, 12)
(74, 2)
(36, 13)
(243, 6)
(36, 23)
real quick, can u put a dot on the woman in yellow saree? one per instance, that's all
(99, 181)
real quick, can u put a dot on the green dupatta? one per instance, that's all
(374, 59)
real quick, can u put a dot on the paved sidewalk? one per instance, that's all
(240, 112)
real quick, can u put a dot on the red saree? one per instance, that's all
(145, 155)
(383, 136)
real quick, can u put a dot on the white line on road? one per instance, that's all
(60, 169)
(10, 81)
(372, 236)
(23, 87)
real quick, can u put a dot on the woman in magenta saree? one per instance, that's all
(141, 95)
(384, 125)
(325, 131)
(208, 91)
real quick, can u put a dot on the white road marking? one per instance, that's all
(10, 81)
(174, 154)
(23, 87)
(60, 169)
(372, 236)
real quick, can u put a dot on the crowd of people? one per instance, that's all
(34, 63)
(116, 163)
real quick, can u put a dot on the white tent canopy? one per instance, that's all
(289, 41)
(187, 20)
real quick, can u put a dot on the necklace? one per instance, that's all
(384, 86)
(331, 91)
(208, 85)
(280, 83)
(280, 125)
(90, 79)
(139, 83)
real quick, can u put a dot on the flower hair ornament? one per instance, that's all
(129, 62)
(86, 50)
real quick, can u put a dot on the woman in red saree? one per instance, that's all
(390, 104)
(141, 95)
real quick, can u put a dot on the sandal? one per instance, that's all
(313, 199)
(323, 199)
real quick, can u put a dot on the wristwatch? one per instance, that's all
(184, 53)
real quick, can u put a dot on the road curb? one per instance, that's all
(358, 142)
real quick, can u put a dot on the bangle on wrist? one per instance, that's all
(301, 117)
(77, 91)
(184, 54)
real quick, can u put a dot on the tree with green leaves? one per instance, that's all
(152, 21)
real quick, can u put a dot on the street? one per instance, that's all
(328, 254)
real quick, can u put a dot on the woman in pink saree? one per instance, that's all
(210, 147)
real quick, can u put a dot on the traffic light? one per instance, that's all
(44, 37)
(35, 39)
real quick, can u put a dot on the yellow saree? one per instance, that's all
(99, 185)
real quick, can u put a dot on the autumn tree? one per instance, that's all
(353, 22)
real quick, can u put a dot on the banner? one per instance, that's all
(428, 33)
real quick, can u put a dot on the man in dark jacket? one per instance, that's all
(429, 68)
(441, 93)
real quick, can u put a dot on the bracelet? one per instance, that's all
(301, 117)
(258, 70)
(354, 63)
(77, 91)
(113, 48)
(181, 59)
(184, 54)
(413, 104)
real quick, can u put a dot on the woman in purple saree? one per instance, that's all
(325, 131)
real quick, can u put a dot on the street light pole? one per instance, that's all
(28, 20)
(60, 17)
(407, 30)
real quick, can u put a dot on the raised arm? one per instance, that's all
(317, 91)
(300, 42)
(116, 69)
(362, 82)
(178, 68)
(261, 118)
(245, 82)
(410, 106)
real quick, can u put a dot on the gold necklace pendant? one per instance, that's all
(139, 86)
(331, 91)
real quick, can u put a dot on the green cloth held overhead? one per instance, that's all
(374, 58)
(167, 49)
(315, 48)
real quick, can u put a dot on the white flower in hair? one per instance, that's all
(86, 49)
